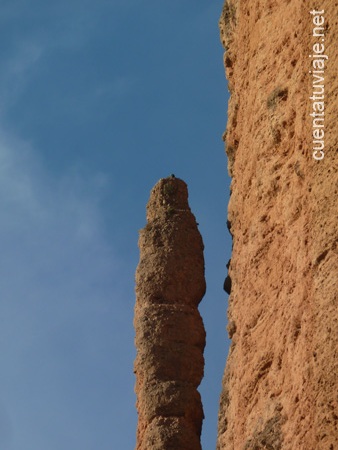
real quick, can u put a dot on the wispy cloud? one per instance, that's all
(58, 291)
(64, 312)
(42, 39)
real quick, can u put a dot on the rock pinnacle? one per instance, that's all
(170, 335)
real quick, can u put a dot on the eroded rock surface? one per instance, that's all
(170, 335)
(280, 387)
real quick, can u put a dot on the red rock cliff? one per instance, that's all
(280, 384)
(170, 336)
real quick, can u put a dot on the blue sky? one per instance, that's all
(98, 101)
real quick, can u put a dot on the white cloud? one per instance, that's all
(64, 315)
(58, 291)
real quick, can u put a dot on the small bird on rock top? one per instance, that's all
(172, 176)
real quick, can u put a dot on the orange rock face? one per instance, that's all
(170, 335)
(280, 387)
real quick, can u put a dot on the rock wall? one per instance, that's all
(170, 336)
(280, 384)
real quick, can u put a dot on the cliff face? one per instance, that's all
(280, 384)
(170, 336)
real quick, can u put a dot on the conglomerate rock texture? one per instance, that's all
(170, 335)
(280, 384)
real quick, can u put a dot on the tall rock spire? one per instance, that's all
(170, 335)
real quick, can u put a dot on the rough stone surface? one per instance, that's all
(170, 335)
(280, 384)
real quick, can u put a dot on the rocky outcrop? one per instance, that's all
(280, 387)
(170, 336)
